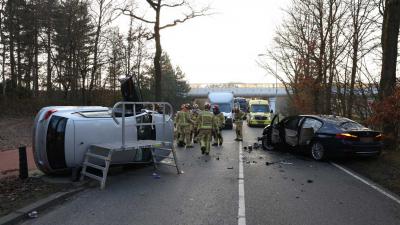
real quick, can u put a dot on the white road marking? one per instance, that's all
(397, 200)
(242, 208)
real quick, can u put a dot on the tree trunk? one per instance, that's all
(49, 70)
(390, 33)
(157, 57)
(36, 65)
(353, 76)
(96, 49)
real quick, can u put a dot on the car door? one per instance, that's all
(291, 128)
(309, 127)
(275, 136)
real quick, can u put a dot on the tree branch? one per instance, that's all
(192, 15)
(152, 4)
(128, 12)
(174, 5)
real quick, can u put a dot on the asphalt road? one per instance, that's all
(293, 190)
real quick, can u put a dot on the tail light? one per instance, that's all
(378, 137)
(49, 113)
(346, 136)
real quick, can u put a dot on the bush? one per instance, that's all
(386, 114)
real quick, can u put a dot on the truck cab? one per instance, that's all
(259, 113)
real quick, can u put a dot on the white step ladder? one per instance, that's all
(100, 156)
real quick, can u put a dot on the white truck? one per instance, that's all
(224, 100)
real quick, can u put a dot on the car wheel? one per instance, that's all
(317, 151)
(266, 145)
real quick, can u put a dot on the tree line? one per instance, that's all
(339, 57)
(72, 51)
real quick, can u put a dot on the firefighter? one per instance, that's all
(194, 113)
(239, 117)
(182, 122)
(220, 123)
(205, 123)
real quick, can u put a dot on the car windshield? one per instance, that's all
(259, 108)
(352, 126)
(225, 107)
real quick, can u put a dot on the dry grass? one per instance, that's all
(15, 132)
(16, 193)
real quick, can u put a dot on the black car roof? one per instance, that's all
(330, 118)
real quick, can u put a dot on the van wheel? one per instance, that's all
(317, 151)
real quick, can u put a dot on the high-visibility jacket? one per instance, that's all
(239, 116)
(182, 118)
(220, 120)
(205, 120)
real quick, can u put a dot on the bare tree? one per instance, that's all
(157, 6)
(362, 19)
(103, 13)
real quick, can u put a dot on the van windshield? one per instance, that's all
(259, 108)
(224, 107)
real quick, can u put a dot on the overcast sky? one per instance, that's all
(224, 47)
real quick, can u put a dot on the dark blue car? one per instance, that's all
(322, 136)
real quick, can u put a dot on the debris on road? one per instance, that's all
(260, 157)
(254, 161)
(156, 176)
(256, 145)
(310, 181)
(245, 148)
(286, 163)
(283, 162)
(297, 197)
(33, 214)
(230, 168)
(217, 158)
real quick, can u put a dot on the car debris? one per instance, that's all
(230, 168)
(256, 145)
(310, 181)
(156, 176)
(283, 162)
(286, 163)
(33, 214)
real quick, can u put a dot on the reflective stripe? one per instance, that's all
(206, 120)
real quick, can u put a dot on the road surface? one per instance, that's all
(294, 190)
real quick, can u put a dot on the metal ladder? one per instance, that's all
(104, 169)
(102, 153)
